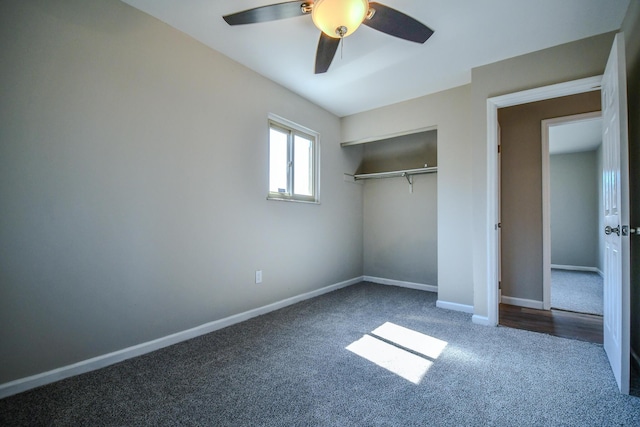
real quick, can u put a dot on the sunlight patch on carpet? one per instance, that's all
(400, 350)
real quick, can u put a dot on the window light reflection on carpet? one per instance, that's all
(400, 350)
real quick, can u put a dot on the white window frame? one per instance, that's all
(293, 129)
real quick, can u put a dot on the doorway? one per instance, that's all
(493, 104)
(572, 195)
(525, 215)
(524, 228)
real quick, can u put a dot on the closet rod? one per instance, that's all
(405, 173)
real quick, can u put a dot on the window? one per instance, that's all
(293, 153)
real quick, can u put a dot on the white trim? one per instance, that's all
(23, 384)
(387, 136)
(575, 268)
(546, 125)
(558, 90)
(539, 94)
(546, 216)
(288, 125)
(422, 287)
(454, 306)
(481, 320)
(493, 248)
(391, 282)
(285, 199)
(522, 302)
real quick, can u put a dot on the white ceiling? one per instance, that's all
(377, 69)
(573, 137)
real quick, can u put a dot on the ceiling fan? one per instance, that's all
(337, 19)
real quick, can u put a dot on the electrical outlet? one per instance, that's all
(258, 276)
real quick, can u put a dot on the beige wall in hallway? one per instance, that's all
(521, 189)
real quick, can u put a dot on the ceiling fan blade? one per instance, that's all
(272, 12)
(397, 24)
(327, 47)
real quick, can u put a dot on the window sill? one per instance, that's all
(286, 199)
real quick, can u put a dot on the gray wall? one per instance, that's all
(631, 28)
(574, 209)
(411, 151)
(401, 228)
(133, 181)
(521, 189)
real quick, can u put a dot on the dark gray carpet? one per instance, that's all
(579, 291)
(291, 368)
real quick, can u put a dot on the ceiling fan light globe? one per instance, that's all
(330, 15)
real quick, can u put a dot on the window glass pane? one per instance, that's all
(292, 162)
(278, 166)
(303, 166)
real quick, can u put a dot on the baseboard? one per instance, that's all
(480, 320)
(521, 302)
(575, 268)
(422, 287)
(454, 306)
(391, 282)
(24, 384)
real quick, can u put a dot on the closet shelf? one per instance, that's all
(407, 173)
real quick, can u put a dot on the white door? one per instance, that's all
(616, 214)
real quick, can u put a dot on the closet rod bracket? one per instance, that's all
(409, 180)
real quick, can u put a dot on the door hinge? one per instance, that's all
(499, 148)
(497, 226)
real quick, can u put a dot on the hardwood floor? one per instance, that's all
(566, 324)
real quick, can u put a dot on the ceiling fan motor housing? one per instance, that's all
(339, 18)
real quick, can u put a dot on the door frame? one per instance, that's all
(546, 196)
(517, 98)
